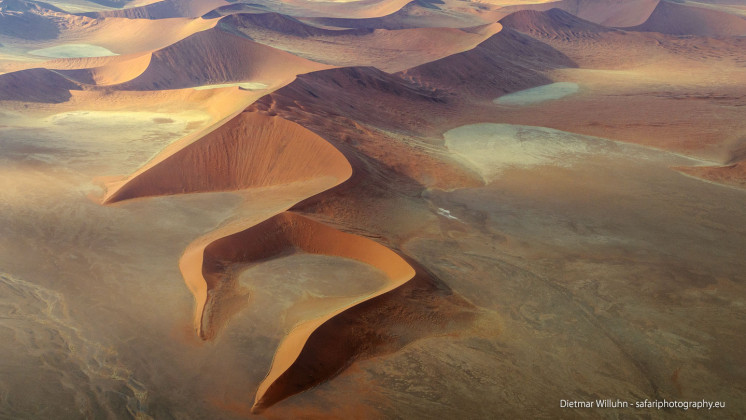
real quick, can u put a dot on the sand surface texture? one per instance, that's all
(372, 209)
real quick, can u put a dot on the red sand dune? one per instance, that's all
(270, 238)
(611, 13)
(552, 24)
(506, 62)
(251, 150)
(682, 19)
(305, 101)
(36, 85)
(733, 174)
(215, 57)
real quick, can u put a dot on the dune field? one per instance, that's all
(372, 209)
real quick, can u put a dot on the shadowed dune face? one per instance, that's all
(683, 19)
(497, 66)
(249, 151)
(610, 13)
(36, 85)
(273, 237)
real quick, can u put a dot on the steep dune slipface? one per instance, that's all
(282, 233)
(681, 19)
(117, 72)
(496, 66)
(249, 151)
(733, 174)
(216, 57)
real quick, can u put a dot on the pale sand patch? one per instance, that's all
(538, 94)
(492, 148)
(73, 51)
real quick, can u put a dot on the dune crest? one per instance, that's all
(254, 150)
(683, 19)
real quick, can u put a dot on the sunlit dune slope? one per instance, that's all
(215, 57)
(117, 72)
(249, 151)
(683, 19)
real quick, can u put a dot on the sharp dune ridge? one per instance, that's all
(253, 150)
(327, 128)
(214, 57)
(492, 68)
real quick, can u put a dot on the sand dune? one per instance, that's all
(249, 151)
(29, 20)
(379, 135)
(217, 57)
(612, 13)
(733, 174)
(415, 14)
(684, 19)
(387, 50)
(114, 73)
(496, 66)
(275, 236)
(552, 24)
(162, 10)
(36, 85)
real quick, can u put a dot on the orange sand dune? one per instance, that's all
(377, 128)
(734, 174)
(117, 72)
(292, 231)
(612, 13)
(249, 151)
(496, 66)
(354, 9)
(216, 57)
(682, 19)
(390, 51)
(163, 10)
(416, 14)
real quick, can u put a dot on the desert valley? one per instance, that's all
(371, 209)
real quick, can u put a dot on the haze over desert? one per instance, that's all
(372, 209)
